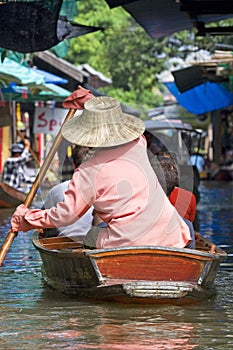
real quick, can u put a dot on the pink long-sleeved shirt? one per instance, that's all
(124, 190)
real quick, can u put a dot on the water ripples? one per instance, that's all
(34, 317)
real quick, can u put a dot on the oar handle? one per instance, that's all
(7, 244)
(44, 168)
(30, 196)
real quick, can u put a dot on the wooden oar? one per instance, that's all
(30, 196)
(76, 100)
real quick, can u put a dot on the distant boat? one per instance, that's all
(10, 197)
(145, 274)
(224, 173)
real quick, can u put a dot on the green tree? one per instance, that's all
(123, 52)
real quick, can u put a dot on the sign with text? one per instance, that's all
(48, 120)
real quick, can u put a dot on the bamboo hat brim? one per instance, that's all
(102, 124)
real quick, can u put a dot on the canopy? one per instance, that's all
(11, 71)
(162, 18)
(36, 25)
(53, 92)
(24, 84)
(206, 97)
(167, 124)
(50, 78)
(45, 92)
(19, 19)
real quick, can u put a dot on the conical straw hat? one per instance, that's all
(102, 124)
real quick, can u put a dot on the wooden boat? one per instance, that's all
(145, 274)
(225, 173)
(10, 197)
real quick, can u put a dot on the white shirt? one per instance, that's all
(79, 227)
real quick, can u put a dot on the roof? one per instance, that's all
(164, 17)
(62, 65)
(95, 79)
(88, 69)
(167, 124)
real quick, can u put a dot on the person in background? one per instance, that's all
(13, 173)
(154, 145)
(30, 170)
(56, 194)
(198, 160)
(184, 201)
(153, 148)
(118, 181)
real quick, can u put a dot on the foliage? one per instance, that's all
(125, 52)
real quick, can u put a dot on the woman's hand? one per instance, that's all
(18, 222)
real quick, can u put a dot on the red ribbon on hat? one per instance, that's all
(77, 99)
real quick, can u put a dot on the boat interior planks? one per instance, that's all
(144, 274)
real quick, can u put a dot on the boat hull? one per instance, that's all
(144, 275)
(10, 197)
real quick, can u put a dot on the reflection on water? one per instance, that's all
(34, 317)
(216, 214)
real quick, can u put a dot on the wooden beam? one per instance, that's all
(62, 65)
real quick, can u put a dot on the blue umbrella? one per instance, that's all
(50, 78)
(206, 97)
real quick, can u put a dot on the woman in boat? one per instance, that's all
(13, 173)
(118, 181)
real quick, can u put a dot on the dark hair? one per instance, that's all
(167, 154)
(79, 155)
(167, 173)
